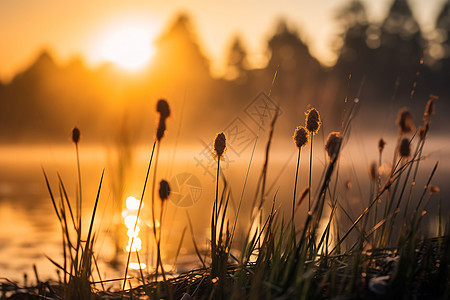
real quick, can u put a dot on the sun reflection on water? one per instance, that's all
(129, 218)
(135, 266)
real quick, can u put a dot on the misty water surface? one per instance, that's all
(30, 230)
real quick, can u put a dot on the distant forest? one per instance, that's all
(388, 64)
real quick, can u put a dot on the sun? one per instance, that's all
(128, 46)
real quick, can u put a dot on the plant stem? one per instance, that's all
(79, 183)
(153, 207)
(138, 213)
(217, 189)
(295, 193)
(214, 243)
(310, 173)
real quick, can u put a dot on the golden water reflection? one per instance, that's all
(30, 229)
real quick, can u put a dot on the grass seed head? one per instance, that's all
(161, 129)
(423, 130)
(429, 109)
(301, 137)
(313, 121)
(75, 135)
(348, 185)
(220, 145)
(381, 144)
(164, 190)
(373, 171)
(163, 108)
(404, 149)
(333, 144)
(434, 189)
(405, 121)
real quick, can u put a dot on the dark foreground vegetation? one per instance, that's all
(383, 254)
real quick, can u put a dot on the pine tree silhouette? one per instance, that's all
(237, 65)
(178, 53)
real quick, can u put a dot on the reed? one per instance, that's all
(301, 138)
(78, 252)
(312, 124)
(277, 262)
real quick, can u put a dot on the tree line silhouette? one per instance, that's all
(380, 63)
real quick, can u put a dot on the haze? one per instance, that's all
(83, 28)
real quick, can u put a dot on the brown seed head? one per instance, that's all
(405, 121)
(373, 171)
(434, 189)
(333, 144)
(161, 129)
(348, 185)
(75, 135)
(423, 130)
(301, 137)
(381, 144)
(429, 109)
(220, 145)
(164, 190)
(313, 121)
(163, 108)
(404, 149)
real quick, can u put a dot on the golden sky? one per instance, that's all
(90, 28)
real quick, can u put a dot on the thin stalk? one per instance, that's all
(419, 154)
(425, 189)
(383, 189)
(263, 176)
(378, 186)
(310, 172)
(153, 204)
(159, 259)
(295, 194)
(138, 214)
(194, 242)
(411, 163)
(216, 213)
(395, 174)
(80, 199)
(89, 241)
(243, 190)
(140, 270)
(66, 197)
(440, 220)
(79, 208)
(179, 246)
(214, 219)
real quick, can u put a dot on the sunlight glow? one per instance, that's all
(150, 223)
(133, 203)
(128, 45)
(137, 245)
(130, 218)
(130, 221)
(135, 266)
(132, 233)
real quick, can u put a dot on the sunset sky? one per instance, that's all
(100, 30)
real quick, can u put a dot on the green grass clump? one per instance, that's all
(78, 252)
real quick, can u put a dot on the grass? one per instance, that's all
(381, 255)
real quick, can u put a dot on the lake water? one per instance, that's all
(30, 231)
